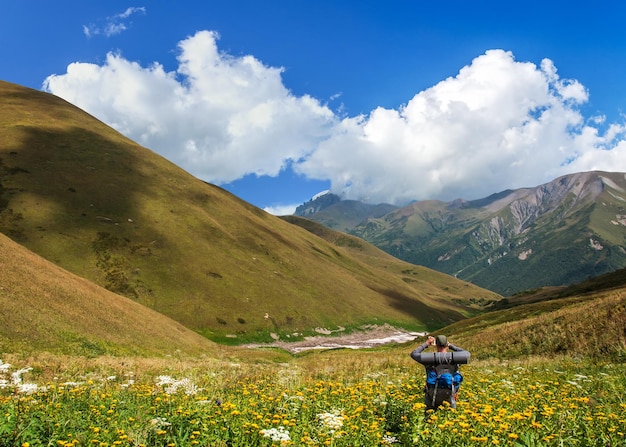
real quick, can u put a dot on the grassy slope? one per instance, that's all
(429, 283)
(586, 319)
(83, 196)
(45, 308)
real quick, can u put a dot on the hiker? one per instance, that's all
(442, 372)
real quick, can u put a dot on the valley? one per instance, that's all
(141, 306)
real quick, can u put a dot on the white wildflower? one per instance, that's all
(279, 434)
(159, 423)
(374, 375)
(332, 421)
(389, 439)
(164, 380)
(171, 385)
(27, 388)
(380, 400)
(16, 377)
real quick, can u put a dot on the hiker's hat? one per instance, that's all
(441, 340)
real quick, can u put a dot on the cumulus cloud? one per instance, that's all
(217, 116)
(113, 25)
(499, 123)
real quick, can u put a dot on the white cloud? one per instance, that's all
(130, 11)
(90, 30)
(112, 29)
(218, 116)
(113, 25)
(497, 124)
(282, 210)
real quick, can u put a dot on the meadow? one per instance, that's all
(333, 398)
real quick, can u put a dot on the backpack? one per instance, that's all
(444, 376)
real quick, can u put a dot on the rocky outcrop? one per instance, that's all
(316, 205)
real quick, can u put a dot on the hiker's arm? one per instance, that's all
(417, 352)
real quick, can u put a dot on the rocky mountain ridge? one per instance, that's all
(524, 208)
(345, 216)
(553, 234)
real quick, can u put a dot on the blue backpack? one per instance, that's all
(445, 376)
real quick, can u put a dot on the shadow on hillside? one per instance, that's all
(430, 316)
(85, 178)
(82, 189)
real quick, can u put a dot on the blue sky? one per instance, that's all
(381, 101)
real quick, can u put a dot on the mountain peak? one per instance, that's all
(560, 232)
(318, 203)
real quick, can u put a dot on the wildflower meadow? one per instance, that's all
(325, 401)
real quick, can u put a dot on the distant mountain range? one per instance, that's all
(559, 233)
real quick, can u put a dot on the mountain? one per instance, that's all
(317, 204)
(79, 194)
(341, 215)
(554, 234)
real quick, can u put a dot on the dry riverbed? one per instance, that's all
(368, 337)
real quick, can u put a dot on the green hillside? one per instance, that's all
(428, 283)
(584, 320)
(44, 308)
(84, 197)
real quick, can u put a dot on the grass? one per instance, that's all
(336, 398)
(590, 326)
(46, 308)
(520, 389)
